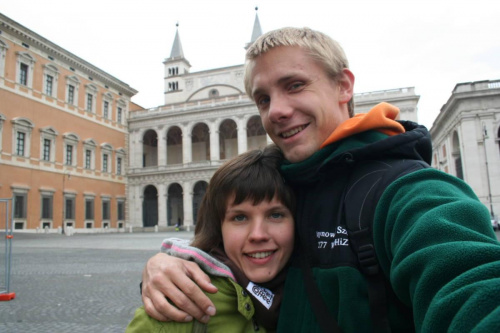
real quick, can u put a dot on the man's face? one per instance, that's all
(299, 104)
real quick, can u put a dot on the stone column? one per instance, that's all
(162, 148)
(187, 156)
(132, 201)
(242, 136)
(188, 205)
(214, 143)
(162, 205)
(139, 197)
(131, 149)
(136, 153)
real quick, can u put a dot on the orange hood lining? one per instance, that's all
(381, 118)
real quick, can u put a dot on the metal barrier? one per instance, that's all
(6, 218)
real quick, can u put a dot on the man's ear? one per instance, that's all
(346, 86)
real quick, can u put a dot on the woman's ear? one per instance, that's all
(346, 86)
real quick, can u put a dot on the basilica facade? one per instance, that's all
(207, 118)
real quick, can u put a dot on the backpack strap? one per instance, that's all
(366, 185)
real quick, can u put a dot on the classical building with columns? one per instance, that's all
(207, 118)
(466, 139)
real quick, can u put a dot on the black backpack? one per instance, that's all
(367, 183)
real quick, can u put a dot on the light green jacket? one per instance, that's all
(234, 314)
(235, 310)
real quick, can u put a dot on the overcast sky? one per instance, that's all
(428, 44)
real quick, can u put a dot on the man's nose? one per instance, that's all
(279, 109)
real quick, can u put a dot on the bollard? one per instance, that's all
(6, 205)
(69, 231)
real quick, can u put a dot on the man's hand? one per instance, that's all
(180, 281)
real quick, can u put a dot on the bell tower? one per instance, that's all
(176, 66)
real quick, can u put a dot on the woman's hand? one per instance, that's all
(180, 281)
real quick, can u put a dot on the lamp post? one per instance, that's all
(63, 202)
(485, 136)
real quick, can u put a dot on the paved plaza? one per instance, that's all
(80, 283)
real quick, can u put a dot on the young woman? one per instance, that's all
(244, 237)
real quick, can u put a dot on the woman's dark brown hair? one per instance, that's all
(253, 175)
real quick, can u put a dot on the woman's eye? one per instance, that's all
(276, 215)
(240, 218)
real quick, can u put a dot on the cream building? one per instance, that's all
(207, 118)
(466, 139)
(63, 136)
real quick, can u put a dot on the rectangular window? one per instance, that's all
(121, 210)
(46, 150)
(88, 159)
(69, 208)
(47, 207)
(105, 210)
(89, 102)
(119, 115)
(69, 155)
(106, 108)
(71, 94)
(20, 206)
(119, 166)
(20, 143)
(23, 74)
(105, 163)
(89, 209)
(48, 85)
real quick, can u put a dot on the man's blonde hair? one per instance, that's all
(319, 46)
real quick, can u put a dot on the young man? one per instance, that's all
(432, 237)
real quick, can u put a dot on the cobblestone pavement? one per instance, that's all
(82, 283)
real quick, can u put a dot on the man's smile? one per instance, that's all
(293, 131)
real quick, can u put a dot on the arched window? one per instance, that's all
(150, 149)
(200, 139)
(256, 135)
(457, 156)
(150, 207)
(228, 139)
(199, 191)
(174, 145)
(175, 205)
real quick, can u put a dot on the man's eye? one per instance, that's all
(296, 85)
(263, 101)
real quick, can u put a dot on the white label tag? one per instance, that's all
(265, 296)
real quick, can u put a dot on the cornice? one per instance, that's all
(205, 113)
(174, 177)
(32, 38)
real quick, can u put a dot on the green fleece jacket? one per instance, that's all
(432, 236)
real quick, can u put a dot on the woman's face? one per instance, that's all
(258, 238)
